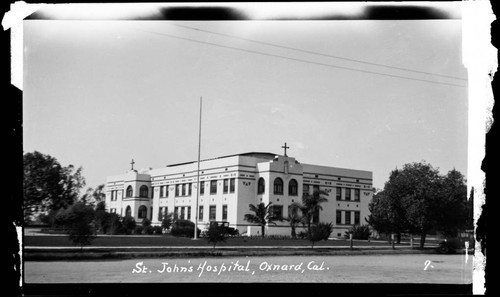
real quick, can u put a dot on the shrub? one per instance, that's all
(79, 220)
(148, 230)
(319, 232)
(129, 224)
(359, 232)
(167, 221)
(184, 228)
(146, 222)
(158, 230)
(138, 229)
(302, 234)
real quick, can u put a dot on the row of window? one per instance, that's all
(143, 192)
(184, 212)
(293, 186)
(347, 196)
(142, 214)
(347, 217)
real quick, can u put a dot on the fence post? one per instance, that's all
(411, 241)
(350, 239)
(392, 240)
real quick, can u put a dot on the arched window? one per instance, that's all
(293, 187)
(130, 191)
(143, 212)
(143, 191)
(278, 186)
(261, 186)
(128, 212)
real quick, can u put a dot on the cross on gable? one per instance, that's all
(285, 147)
(132, 164)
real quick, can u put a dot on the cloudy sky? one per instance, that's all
(364, 94)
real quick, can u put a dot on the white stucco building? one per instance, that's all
(229, 184)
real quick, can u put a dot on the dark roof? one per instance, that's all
(263, 155)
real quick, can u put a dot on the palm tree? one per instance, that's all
(311, 204)
(263, 216)
(294, 218)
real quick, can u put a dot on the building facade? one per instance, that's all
(229, 184)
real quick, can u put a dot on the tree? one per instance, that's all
(320, 231)
(80, 224)
(263, 215)
(47, 185)
(418, 200)
(311, 205)
(94, 196)
(167, 221)
(294, 218)
(215, 233)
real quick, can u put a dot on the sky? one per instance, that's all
(98, 94)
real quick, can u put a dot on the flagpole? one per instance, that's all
(196, 211)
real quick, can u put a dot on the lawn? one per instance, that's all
(167, 240)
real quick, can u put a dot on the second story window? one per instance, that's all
(143, 191)
(278, 186)
(261, 186)
(232, 182)
(293, 187)
(129, 191)
(202, 188)
(213, 187)
(225, 187)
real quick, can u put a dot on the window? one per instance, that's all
(202, 188)
(213, 187)
(189, 212)
(183, 212)
(130, 191)
(278, 186)
(348, 194)
(143, 192)
(293, 188)
(162, 191)
(114, 195)
(347, 217)
(339, 217)
(224, 212)
(183, 190)
(177, 188)
(200, 213)
(176, 212)
(315, 188)
(143, 212)
(316, 216)
(232, 185)
(226, 186)
(305, 189)
(339, 194)
(190, 188)
(356, 194)
(261, 186)
(356, 218)
(166, 191)
(128, 211)
(161, 213)
(211, 215)
(277, 211)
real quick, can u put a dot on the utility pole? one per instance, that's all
(198, 179)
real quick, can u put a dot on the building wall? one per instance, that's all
(246, 171)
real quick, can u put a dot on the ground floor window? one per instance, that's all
(200, 213)
(224, 212)
(338, 218)
(347, 217)
(356, 218)
(211, 215)
(143, 212)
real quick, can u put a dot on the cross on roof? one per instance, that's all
(285, 147)
(132, 163)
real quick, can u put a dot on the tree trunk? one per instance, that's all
(263, 229)
(398, 238)
(422, 240)
(294, 234)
